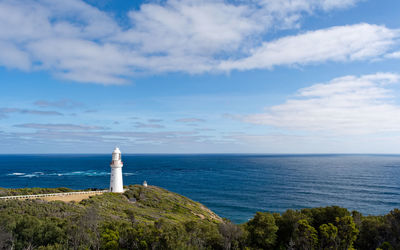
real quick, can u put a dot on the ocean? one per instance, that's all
(233, 186)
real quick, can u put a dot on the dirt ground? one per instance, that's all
(68, 198)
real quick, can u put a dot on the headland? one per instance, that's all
(153, 218)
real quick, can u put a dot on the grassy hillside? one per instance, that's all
(141, 218)
(150, 204)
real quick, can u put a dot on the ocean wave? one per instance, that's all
(16, 174)
(82, 173)
(128, 174)
(61, 174)
(29, 176)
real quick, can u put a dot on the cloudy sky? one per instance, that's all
(200, 76)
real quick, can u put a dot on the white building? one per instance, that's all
(116, 185)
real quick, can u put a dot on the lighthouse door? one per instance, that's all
(111, 189)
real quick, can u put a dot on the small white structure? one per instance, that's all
(116, 185)
(145, 184)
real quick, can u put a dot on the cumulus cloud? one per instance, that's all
(76, 41)
(347, 105)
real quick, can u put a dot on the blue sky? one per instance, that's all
(183, 76)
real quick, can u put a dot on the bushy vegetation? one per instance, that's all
(153, 218)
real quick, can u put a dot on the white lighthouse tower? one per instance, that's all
(116, 172)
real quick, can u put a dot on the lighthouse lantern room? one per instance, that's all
(116, 185)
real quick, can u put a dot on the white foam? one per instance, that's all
(74, 173)
(17, 174)
(82, 173)
(129, 174)
(29, 175)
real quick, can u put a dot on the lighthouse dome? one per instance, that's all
(116, 151)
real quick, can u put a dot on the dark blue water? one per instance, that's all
(234, 186)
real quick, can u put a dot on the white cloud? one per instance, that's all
(12, 57)
(76, 41)
(180, 27)
(27, 20)
(82, 60)
(289, 12)
(395, 55)
(288, 6)
(195, 27)
(341, 43)
(348, 105)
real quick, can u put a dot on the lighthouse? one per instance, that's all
(116, 172)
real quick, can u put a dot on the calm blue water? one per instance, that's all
(234, 186)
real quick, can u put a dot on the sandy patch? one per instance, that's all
(68, 198)
(210, 213)
(200, 215)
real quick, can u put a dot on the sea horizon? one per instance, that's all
(238, 154)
